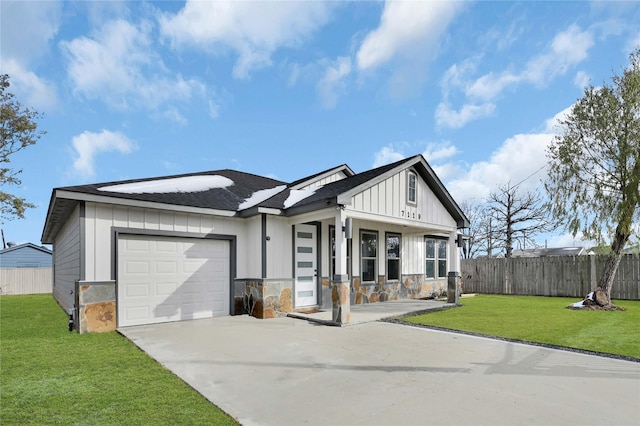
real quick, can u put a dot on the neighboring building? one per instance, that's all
(26, 255)
(226, 242)
(543, 252)
(25, 269)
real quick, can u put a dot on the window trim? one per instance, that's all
(363, 258)
(412, 174)
(398, 259)
(436, 259)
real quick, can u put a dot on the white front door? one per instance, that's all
(306, 257)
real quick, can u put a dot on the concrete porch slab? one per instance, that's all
(370, 312)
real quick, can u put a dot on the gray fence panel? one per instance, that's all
(570, 276)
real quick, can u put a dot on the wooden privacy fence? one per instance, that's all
(571, 276)
(26, 280)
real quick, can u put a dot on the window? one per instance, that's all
(332, 238)
(411, 188)
(435, 257)
(393, 257)
(368, 251)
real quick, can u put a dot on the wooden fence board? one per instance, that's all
(570, 276)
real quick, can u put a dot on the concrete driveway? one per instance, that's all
(289, 371)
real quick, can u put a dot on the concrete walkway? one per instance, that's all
(286, 371)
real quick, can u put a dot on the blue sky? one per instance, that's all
(288, 89)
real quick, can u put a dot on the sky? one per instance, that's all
(288, 89)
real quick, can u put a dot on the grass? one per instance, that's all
(52, 376)
(544, 320)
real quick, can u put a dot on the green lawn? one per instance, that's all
(52, 376)
(544, 320)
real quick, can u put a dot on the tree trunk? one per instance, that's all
(611, 265)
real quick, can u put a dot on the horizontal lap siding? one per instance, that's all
(66, 257)
(571, 276)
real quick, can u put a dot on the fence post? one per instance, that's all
(593, 276)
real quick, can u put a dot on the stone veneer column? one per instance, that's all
(340, 296)
(96, 308)
(453, 290)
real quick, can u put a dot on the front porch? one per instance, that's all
(370, 312)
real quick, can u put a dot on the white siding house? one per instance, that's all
(162, 249)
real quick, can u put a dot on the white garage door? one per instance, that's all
(163, 279)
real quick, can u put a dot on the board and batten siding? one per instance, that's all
(279, 248)
(389, 198)
(66, 257)
(101, 218)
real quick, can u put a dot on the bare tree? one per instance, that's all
(479, 232)
(516, 218)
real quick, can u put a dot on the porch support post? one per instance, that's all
(453, 277)
(340, 288)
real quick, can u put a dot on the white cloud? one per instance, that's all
(119, 66)
(253, 30)
(567, 49)
(27, 28)
(552, 123)
(435, 152)
(88, 145)
(20, 45)
(332, 83)
(519, 160)
(37, 92)
(406, 29)
(448, 117)
(582, 79)
(387, 155)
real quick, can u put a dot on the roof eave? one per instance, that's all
(311, 207)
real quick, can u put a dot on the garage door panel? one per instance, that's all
(137, 246)
(138, 290)
(174, 279)
(171, 247)
(166, 289)
(132, 267)
(166, 267)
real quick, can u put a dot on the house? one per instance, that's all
(25, 255)
(544, 251)
(226, 243)
(25, 269)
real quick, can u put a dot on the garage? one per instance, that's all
(167, 278)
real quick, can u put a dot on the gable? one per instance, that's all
(390, 198)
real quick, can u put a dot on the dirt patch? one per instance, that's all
(597, 308)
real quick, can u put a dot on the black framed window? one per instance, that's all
(393, 256)
(368, 255)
